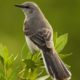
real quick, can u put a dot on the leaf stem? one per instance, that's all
(5, 71)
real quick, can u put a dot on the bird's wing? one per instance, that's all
(42, 38)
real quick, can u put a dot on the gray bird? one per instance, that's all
(39, 35)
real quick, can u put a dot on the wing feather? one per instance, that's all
(42, 38)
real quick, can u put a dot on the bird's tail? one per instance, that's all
(55, 66)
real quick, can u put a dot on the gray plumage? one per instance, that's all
(39, 35)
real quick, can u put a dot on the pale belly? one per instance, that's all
(31, 45)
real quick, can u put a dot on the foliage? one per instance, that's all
(27, 66)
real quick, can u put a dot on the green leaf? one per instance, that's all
(65, 55)
(4, 53)
(14, 73)
(1, 73)
(10, 60)
(34, 74)
(30, 64)
(37, 57)
(68, 66)
(61, 42)
(25, 53)
(43, 77)
(55, 35)
(2, 60)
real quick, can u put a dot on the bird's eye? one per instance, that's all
(27, 7)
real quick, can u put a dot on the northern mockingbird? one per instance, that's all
(39, 35)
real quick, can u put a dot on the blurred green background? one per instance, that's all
(63, 15)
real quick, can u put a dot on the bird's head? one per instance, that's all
(29, 8)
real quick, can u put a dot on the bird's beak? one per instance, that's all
(20, 6)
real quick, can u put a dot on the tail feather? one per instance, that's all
(55, 66)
